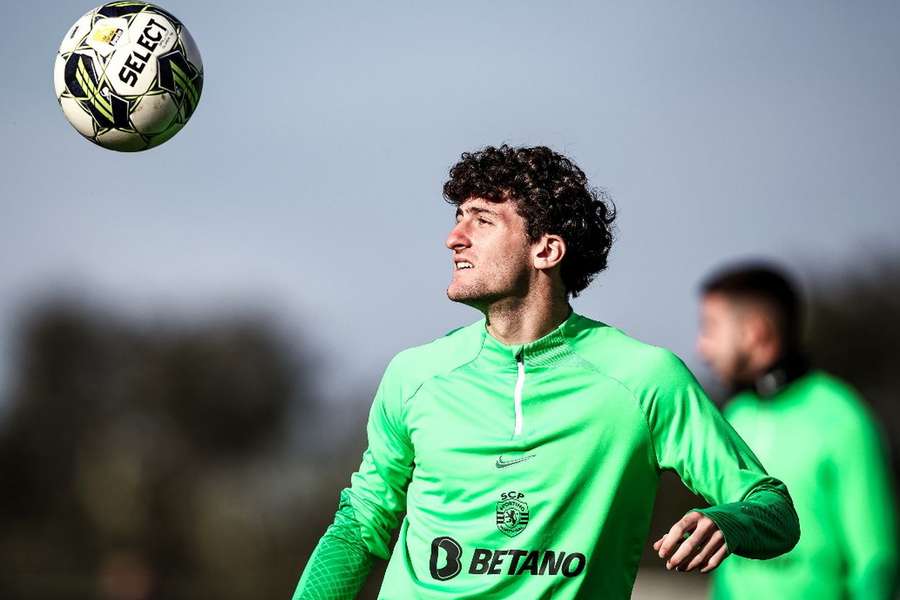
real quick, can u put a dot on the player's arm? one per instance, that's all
(751, 514)
(369, 509)
(340, 563)
(864, 506)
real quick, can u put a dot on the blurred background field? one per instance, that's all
(190, 337)
(195, 458)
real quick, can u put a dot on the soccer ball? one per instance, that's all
(128, 76)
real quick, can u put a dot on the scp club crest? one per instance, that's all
(512, 513)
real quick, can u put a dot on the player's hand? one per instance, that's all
(704, 548)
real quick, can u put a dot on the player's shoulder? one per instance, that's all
(441, 355)
(824, 383)
(743, 403)
(834, 399)
(635, 363)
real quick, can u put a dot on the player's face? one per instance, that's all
(491, 254)
(721, 339)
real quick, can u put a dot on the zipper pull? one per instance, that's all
(517, 395)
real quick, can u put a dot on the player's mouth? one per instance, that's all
(461, 265)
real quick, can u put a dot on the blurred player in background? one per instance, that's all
(525, 449)
(811, 431)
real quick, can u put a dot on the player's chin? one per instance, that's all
(458, 292)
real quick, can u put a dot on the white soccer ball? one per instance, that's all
(128, 76)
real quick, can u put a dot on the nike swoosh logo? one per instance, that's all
(506, 463)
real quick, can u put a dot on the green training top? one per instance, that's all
(530, 471)
(817, 437)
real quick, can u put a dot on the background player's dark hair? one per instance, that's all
(767, 285)
(551, 193)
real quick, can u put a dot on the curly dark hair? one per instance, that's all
(551, 193)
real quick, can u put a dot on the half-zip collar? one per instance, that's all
(545, 351)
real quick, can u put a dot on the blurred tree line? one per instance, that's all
(145, 461)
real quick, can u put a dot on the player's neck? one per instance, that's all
(519, 321)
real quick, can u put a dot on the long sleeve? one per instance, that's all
(864, 506)
(753, 510)
(370, 509)
(340, 563)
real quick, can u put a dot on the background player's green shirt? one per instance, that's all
(530, 471)
(816, 436)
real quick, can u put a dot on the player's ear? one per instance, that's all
(548, 251)
(768, 329)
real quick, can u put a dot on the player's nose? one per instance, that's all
(457, 238)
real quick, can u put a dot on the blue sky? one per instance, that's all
(307, 184)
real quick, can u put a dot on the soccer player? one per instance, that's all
(811, 431)
(525, 449)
